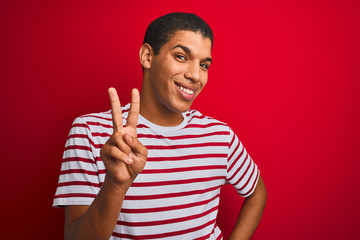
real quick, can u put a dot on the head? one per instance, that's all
(175, 57)
(163, 28)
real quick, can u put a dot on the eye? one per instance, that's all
(181, 57)
(205, 66)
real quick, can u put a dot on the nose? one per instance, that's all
(193, 72)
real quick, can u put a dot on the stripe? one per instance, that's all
(78, 183)
(186, 157)
(183, 136)
(171, 195)
(77, 147)
(253, 186)
(80, 125)
(98, 134)
(70, 171)
(110, 126)
(169, 147)
(99, 124)
(204, 237)
(168, 221)
(164, 235)
(194, 125)
(244, 173)
(236, 148)
(220, 236)
(178, 158)
(199, 117)
(176, 182)
(78, 159)
(142, 126)
(85, 136)
(82, 136)
(237, 159)
(189, 112)
(165, 147)
(239, 168)
(98, 117)
(232, 142)
(140, 135)
(184, 169)
(247, 182)
(169, 208)
(208, 235)
(77, 195)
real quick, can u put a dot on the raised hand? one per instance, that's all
(123, 154)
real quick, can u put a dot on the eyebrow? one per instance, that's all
(188, 51)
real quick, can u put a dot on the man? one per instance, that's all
(153, 169)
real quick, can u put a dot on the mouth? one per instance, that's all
(185, 90)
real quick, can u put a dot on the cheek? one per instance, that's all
(203, 84)
(169, 70)
(175, 70)
(204, 80)
(172, 67)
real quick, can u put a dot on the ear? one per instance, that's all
(146, 53)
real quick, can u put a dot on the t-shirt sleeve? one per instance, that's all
(242, 172)
(79, 179)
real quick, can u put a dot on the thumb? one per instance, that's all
(136, 146)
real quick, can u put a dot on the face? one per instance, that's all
(179, 72)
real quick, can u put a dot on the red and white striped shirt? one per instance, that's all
(176, 196)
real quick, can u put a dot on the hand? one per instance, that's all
(123, 154)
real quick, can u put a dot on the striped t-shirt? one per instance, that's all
(176, 196)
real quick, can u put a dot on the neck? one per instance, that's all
(157, 113)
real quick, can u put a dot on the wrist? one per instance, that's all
(115, 185)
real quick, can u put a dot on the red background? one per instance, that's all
(286, 74)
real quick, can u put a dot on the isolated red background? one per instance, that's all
(285, 73)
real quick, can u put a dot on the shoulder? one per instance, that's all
(98, 124)
(197, 118)
(97, 119)
(103, 119)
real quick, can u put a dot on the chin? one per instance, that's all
(180, 108)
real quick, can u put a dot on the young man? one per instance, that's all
(153, 169)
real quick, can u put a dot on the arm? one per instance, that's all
(251, 212)
(124, 157)
(98, 220)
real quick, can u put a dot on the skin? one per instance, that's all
(124, 157)
(182, 62)
(250, 213)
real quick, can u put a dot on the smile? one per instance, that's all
(185, 90)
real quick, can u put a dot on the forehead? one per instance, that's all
(192, 40)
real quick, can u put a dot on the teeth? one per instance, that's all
(186, 90)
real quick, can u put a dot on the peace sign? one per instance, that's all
(133, 115)
(123, 154)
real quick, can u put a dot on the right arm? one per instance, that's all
(124, 157)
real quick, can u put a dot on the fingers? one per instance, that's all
(136, 146)
(115, 110)
(114, 153)
(117, 149)
(134, 109)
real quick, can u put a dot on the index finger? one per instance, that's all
(115, 110)
(134, 109)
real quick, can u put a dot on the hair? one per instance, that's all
(163, 28)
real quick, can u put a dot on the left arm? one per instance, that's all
(250, 214)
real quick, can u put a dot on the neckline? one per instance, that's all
(159, 128)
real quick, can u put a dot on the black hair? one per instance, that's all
(161, 29)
